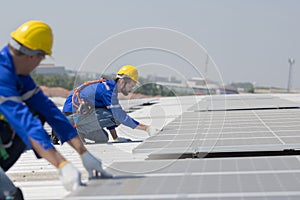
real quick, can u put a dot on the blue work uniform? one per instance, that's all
(18, 95)
(104, 96)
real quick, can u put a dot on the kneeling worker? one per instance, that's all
(97, 101)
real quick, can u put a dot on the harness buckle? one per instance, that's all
(84, 108)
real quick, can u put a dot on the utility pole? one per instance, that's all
(291, 63)
(206, 66)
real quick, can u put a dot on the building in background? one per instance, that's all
(50, 70)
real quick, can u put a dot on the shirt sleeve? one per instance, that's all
(18, 115)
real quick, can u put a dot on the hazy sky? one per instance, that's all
(249, 40)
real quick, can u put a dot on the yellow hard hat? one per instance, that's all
(129, 71)
(35, 35)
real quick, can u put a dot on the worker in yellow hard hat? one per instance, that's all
(128, 76)
(97, 101)
(24, 108)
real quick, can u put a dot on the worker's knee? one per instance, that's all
(99, 136)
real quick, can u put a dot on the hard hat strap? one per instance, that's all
(19, 47)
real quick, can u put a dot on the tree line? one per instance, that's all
(63, 81)
(67, 82)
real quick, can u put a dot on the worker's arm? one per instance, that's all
(54, 117)
(51, 155)
(142, 127)
(77, 144)
(149, 129)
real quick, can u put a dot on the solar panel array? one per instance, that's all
(235, 102)
(227, 131)
(216, 125)
(245, 178)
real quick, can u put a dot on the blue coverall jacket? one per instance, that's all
(17, 94)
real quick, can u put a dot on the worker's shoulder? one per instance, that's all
(108, 84)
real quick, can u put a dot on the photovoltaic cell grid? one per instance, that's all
(235, 102)
(227, 131)
(248, 178)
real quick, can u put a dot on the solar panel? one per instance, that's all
(235, 102)
(214, 178)
(227, 131)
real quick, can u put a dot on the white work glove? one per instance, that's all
(92, 164)
(122, 139)
(152, 130)
(69, 176)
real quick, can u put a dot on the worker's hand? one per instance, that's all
(122, 139)
(69, 176)
(93, 164)
(152, 130)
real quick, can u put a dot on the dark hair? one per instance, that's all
(116, 79)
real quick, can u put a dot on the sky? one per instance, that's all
(246, 40)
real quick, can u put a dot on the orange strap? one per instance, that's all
(81, 87)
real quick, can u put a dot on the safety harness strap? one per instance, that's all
(81, 87)
(84, 107)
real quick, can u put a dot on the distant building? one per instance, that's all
(177, 88)
(50, 70)
(203, 86)
(88, 75)
(198, 86)
(170, 79)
